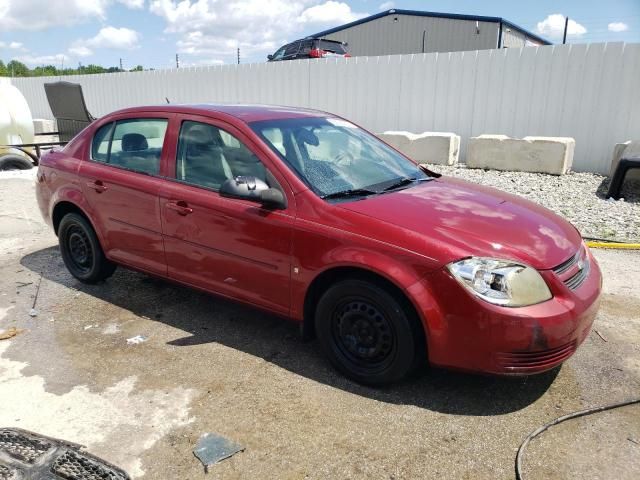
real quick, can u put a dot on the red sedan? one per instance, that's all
(308, 216)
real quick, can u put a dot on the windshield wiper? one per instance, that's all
(404, 182)
(355, 192)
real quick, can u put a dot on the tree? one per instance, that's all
(17, 69)
(45, 71)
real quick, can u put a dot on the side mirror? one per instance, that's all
(273, 198)
(254, 189)
(269, 57)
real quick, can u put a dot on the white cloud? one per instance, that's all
(618, 27)
(108, 37)
(12, 45)
(553, 27)
(112, 37)
(329, 12)
(42, 14)
(387, 5)
(56, 60)
(78, 50)
(132, 4)
(215, 28)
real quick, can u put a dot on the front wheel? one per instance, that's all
(368, 333)
(81, 250)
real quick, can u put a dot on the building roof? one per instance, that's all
(453, 16)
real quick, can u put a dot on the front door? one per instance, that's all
(232, 247)
(121, 182)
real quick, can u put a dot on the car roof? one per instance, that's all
(245, 112)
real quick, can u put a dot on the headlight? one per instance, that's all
(501, 282)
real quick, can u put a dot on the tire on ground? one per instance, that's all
(81, 250)
(14, 162)
(368, 332)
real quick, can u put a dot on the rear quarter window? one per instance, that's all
(334, 47)
(100, 143)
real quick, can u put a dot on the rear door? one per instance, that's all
(232, 247)
(121, 181)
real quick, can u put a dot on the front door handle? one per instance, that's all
(98, 186)
(180, 206)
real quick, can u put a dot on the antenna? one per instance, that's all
(238, 55)
(177, 62)
(167, 99)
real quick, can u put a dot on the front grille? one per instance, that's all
(6, 473)
(23, 447)
(27, 455)
(75, 466)
(566, 265)
(574, 271)
(576, 280)
(523, 361)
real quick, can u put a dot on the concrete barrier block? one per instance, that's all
(442, 148)
(553, 155)
(627, 149)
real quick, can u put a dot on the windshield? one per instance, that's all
(333, 156)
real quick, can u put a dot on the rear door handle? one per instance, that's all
(180, 206)
(98, 186)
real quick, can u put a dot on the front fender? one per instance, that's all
(315, 255)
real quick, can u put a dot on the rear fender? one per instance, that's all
(73, 194)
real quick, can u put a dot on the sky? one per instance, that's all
(208, 32)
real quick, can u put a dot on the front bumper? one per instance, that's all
(467, 333)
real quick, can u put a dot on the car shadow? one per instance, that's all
(205, 318)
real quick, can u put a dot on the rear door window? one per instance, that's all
(305, 47)
(136, 144)
(292, 49)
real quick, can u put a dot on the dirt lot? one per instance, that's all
(213, 366)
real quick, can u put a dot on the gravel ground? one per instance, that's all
(578, 197)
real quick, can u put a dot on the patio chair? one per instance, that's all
(68, 107)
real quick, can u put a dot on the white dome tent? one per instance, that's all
(16, 127)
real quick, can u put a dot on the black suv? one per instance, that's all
(310, 48)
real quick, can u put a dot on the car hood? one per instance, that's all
(457, 219)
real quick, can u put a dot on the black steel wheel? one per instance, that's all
(81, 250)
(368, 333)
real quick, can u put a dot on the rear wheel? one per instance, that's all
(14, 162)
(81, 250)
(368, 333)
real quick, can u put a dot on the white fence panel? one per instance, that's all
(588, 92)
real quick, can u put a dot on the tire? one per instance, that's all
(15, 162)
(368, 333)
(81, 250)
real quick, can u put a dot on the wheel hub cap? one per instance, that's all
(363, 331)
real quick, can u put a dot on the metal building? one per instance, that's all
(411, 31)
